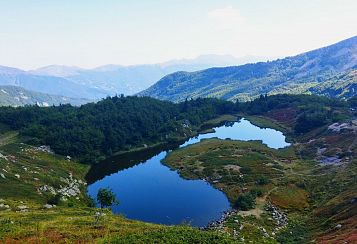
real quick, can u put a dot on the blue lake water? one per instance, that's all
(152, 192)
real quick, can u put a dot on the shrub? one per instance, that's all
(54, 200)
(263, 180)
(245, 170)
(106, 197)
(257, 192)
(245, 201)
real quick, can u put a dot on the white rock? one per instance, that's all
(17, 176)
(22, 207)
(4, 206)
(2, 176)
(48, 206)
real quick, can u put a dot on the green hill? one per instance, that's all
(319, 71)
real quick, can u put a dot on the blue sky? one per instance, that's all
(90, 33)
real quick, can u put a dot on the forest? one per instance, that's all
(94, 131)
(111, 125)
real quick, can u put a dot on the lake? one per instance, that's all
(152, 192)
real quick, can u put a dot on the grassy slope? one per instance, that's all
(77, 225)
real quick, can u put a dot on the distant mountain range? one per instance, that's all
(327, 71)
(108, 80)
(18, 96)
(117, 79)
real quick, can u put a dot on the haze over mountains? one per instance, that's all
(327, 71)
(107, 80)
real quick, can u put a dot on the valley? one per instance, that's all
(178, 122)
(279, 192)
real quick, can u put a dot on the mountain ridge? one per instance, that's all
(250, 80)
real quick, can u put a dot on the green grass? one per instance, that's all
(67, 225)
(230, 165)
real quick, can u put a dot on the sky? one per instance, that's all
(90, 33)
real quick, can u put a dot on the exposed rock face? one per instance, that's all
(71, 189)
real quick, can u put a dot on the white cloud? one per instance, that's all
(227, 17)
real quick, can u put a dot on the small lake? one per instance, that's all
(152, 192)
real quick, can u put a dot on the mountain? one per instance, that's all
(118, 79)
(57, 70)
(18, 96)
(310, 72)
(48, 84)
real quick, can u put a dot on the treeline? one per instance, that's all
(119, 123)
(114, 124)
(311, 111)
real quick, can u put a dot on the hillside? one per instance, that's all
(47, 84)
(313, 71)
(18, 96)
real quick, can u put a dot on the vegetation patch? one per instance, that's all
(290, 197)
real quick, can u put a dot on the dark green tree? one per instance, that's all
(106, 198)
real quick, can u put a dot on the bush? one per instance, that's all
(106, 198)
(54, 200)
(263, 180)
(245, 201)
(257, 192)
(245, 170)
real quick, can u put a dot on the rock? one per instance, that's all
(47, 188)
(338, 226)
(48, 206)
(22, 208)
(44, 148)
(2, 176)
(17, 176)
(4, 206)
